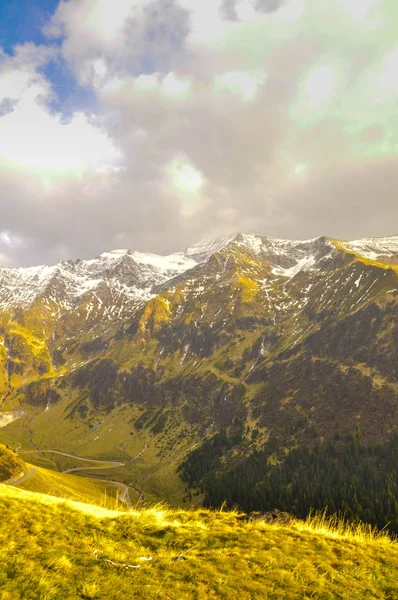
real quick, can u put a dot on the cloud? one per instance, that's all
(358, 194)
(32, 136)
(244, 84)
(361, 9)
(228, 10)
(213, 117)
(21, 70)
(269, 6)
(127, 37)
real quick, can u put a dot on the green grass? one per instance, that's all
(54, 549)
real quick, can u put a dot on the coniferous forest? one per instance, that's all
(343, 475)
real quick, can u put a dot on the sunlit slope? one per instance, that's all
(72, 487)
(13, 469)
(59, 549)
(11, 465)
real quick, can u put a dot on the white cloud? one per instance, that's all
(185, 177)
(187, 182)
(206, 22)
(241, 83)
(20, 71)
(299, 169)
(102, 20)
(319, 85)
(175, 87)
(169, 86)
(33, 137)
(360, 9)
(292, 11)
(146, 83)
(388, 75)
(10, 239)
(320, 90)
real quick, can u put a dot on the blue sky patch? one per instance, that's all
(69, 96)
(22, 21)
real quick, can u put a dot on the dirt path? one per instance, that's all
(104, 464)
(24, 478)
(124, 496)
(109, 463)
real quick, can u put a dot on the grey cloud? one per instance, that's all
(154, 41)
(228, 10)
(346, 200)
(83, 217)
(269, 6)
(29, 55)
(6, 106)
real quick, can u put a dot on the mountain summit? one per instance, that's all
(137, 274)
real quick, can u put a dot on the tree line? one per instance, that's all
(344, 475)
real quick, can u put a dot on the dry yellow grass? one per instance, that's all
(72, 487)
(54, 549)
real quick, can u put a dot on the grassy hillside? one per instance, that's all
(11, 464)
(66, 550)
(72, 487)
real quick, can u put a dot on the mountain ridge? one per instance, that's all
(83, 274)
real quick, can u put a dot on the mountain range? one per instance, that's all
(198, 367)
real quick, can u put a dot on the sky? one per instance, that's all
(153, 124)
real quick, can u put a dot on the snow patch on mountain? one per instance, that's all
(305, 264)
(170, 266)
(202, 251)
(253, 242)
(374, 248)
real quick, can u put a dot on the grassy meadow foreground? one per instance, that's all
(60, 549)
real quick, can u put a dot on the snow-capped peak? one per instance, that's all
(137, 275)
(201, 251)
(114, 254)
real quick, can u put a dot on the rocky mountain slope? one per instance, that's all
(265, 343)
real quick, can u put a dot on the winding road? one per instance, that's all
(124, 497)
(23, 478)
(108, 463)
